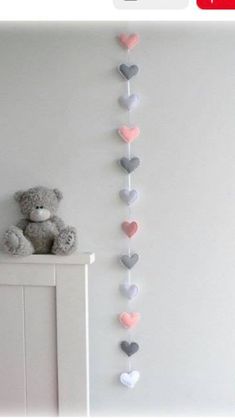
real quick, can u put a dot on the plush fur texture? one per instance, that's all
(41, 231)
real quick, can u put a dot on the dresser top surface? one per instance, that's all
(76, 258)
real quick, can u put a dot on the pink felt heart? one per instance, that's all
(129, 41)
(129, 319)
(130, 228)
(129, 134)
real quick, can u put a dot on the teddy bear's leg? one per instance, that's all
(15, 243)
(66, 241)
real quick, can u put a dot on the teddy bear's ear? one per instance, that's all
(58, 194)
(18, 195)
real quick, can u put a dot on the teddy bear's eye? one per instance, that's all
(37, 207)
(41, 207)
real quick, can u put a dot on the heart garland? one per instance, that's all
(129, 41)
(130, 379)
(130, 228)
(129, 165)
(128, 196)
(129, 101)
(128, 71)
(129, 133)
(129, 291)
(129, 319)
(129, 348)
(129, 261)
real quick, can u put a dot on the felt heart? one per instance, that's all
(129, 291)
(128, 71)
(128, 196)
(130, 379)
(129, 348)
(130, 228)
(129, 261)
(129, 134)
(129, 101)
(129, 41)
(129, 319)
(129, 165)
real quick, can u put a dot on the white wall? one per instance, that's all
(58, 112)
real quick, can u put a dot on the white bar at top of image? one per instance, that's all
(100, 10)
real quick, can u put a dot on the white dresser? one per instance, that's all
(44, 335)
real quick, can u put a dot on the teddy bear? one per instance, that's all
(40, 231)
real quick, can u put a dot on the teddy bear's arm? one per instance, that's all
(58, 222)
(22, 224)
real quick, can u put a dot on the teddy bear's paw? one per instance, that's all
(12, 239)
(15, 243)
(66, 242)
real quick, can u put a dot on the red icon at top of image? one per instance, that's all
(216, 4)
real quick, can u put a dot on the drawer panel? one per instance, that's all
(27, 275)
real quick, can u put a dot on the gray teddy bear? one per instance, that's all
(41, 231)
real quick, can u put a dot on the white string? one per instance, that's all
(128, 88)
(129, 182)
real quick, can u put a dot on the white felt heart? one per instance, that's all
(130, 291)
(129, 102)
(130, 379)
(128, 196)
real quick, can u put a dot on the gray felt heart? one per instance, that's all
(129, 261)
(129, 165)
(128, 71)
(130, 291)
(129, 101)
(129, 348)
(128, 196)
